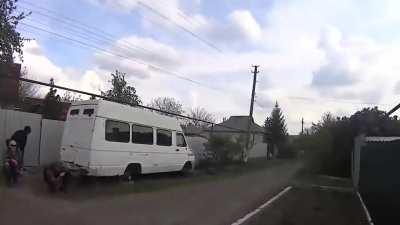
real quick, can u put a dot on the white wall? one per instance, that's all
(2, 134)
(259, 150)
(43, 143)
(197, 145)
(50, 143)
(12, 121)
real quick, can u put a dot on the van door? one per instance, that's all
(77, 136)
(164, 150)
(181, 150)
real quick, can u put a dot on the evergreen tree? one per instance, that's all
(275, 127)
(120, 91)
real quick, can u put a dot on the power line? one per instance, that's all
(150, 66)
(339, 100)
(104, 37)
(179, 26)
(394, 109)
(183, 15)
(110, 99)
(88, 28)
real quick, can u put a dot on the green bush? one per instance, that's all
(287, 150)
(223, 149)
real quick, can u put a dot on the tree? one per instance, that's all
(69, 97)
(167, 104)
(26, 89)
(120, 91)
(202, 114)
(11, 40)
(275, 127)
(374, 122)
(52, 108)
(328, 144)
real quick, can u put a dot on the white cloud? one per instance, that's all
(41, 68)
(121, 5)
(315, 57)
(244, 21)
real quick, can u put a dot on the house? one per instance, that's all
(10, 94)
(240, 125)
(196, 139)
(9, 87)
(36, 105)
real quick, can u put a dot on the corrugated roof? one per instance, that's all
(190, 130)
(381, 139)
(238, 122)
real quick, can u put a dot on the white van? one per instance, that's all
(103, 138)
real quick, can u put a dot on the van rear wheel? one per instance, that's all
(131, 173)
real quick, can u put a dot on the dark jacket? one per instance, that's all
(20, 137)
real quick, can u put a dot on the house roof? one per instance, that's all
(237, 122)
(35, 105)
(191, 130)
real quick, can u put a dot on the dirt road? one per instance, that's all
(212, 202)
(313, 207)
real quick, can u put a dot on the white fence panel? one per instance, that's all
(197, 145)
(16, 120)
(2, 134)
(259, 150)
(50, 143)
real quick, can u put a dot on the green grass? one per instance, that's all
(157, 182)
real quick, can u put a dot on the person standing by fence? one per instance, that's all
(21, 136)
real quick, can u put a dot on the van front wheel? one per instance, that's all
(187, 169)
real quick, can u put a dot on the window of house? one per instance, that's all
(74, 112)
(164, 137)
(117, 131)
(88, 112)
(180, 140)
(142, 134)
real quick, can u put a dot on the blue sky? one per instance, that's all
(314, 56)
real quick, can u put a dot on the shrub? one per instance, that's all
(287, 150)
(223, 149)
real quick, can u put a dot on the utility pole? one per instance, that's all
(253, 93)
(302, 125)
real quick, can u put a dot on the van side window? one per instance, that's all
(142, 134)
(88, 112)
(117, 131)
(164, 137)
(180, 140)
(74, 112)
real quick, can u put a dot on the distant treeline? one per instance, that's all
(328, 144)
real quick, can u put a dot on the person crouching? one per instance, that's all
(11, 163)
(56, 177)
